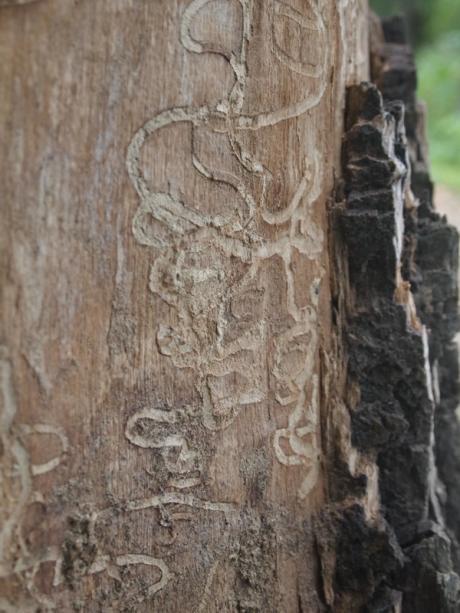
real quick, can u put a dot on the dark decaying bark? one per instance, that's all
(400, 325)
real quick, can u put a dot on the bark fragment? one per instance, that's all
(401, 319)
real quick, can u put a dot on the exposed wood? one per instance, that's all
(166, 288)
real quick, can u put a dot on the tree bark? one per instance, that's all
(184, 372)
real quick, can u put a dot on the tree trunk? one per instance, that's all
(195, 416)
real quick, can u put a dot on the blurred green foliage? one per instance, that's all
(428, 19)
(439, 85)
(435, 30)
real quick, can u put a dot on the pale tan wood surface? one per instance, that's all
(166, 167)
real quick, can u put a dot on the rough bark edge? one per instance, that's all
(396, 314)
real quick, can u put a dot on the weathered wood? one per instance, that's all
(166, 298)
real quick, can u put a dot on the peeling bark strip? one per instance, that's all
(401, 319)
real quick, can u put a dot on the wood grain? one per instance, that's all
(166, 298)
